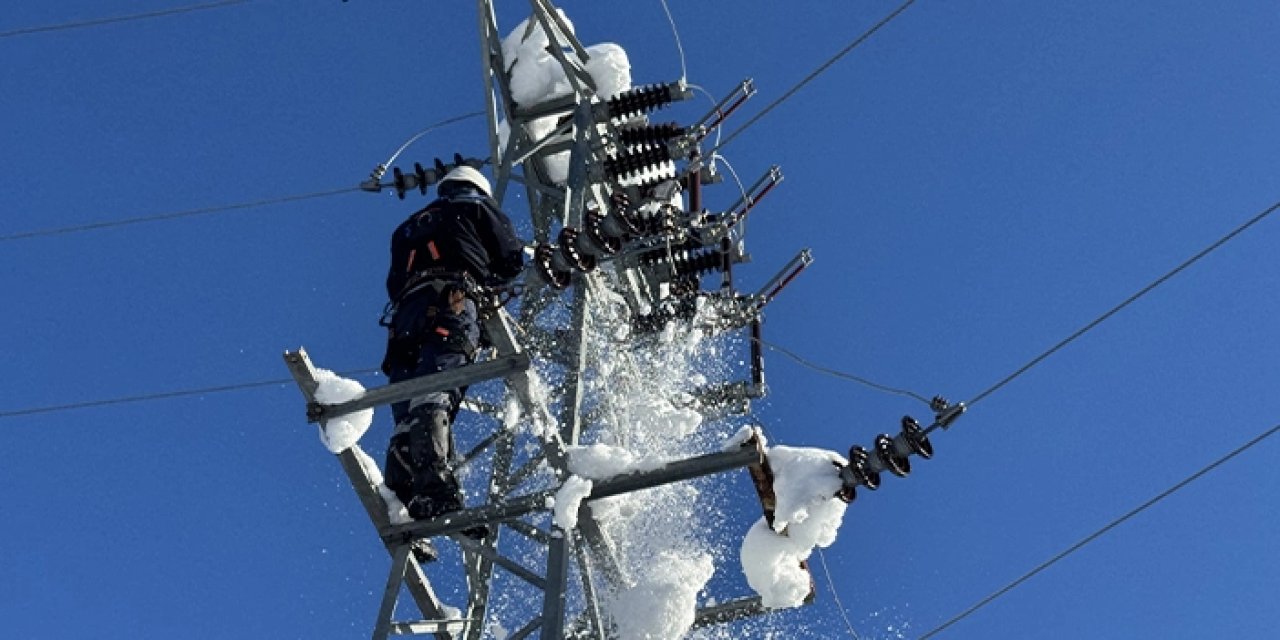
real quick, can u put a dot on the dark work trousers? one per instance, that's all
(419, 458)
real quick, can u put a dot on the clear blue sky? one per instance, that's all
(976, 182)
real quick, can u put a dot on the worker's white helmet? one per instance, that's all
(470, 176)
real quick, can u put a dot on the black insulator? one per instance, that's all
(420, 179)
(401, 182)
(639, 100)
(896, 463)
(551, 269)
(848, 485)
(635, 161)
(657, 134)
(606, 237)
(625, 219)
(915, 438)
(859, 466)
(571, 250)
(686, 260)
(697, 263)
(426, 177)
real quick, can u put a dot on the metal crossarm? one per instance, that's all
(409, 389)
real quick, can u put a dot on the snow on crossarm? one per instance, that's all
(807, 515)
(339, 433)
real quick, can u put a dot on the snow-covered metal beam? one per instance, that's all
(415, 580)
(499, 367)
(750, 452)
(728, 612)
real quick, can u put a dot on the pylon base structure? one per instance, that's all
(585, 543)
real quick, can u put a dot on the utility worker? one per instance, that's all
(438, 256)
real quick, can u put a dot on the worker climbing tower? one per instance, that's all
(623, 249)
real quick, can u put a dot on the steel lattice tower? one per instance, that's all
(602, 228)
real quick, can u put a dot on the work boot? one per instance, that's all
(425, 507)
(422, 508)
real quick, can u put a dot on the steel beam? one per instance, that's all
(510, 565)
(687, 469)
(527, 629)
(399, 561)
(588, 587)
(366, 490)
(553, 600)
(499, 367)
(728, 612)
(429, 626)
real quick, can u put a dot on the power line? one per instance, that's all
(816, 72)
(175, 214)
(266, 383)
(1100, 319)
(846, 376)
(159, 396)
(243, 205)
(1100, 532)
(127, 18)
(835, 595)
(675, 32)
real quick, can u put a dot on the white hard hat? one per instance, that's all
(468, 175)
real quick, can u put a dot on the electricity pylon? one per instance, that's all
(625, 219)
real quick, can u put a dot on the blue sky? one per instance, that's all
(976, 182)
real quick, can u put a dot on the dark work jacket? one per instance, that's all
(463, 232)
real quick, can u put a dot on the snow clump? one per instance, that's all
(569, 500)
(338, 434)
(662, 603)
(600, 461)
(396, 512)
(536, 77)
(807, 516)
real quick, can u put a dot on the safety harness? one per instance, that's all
(432, 295)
